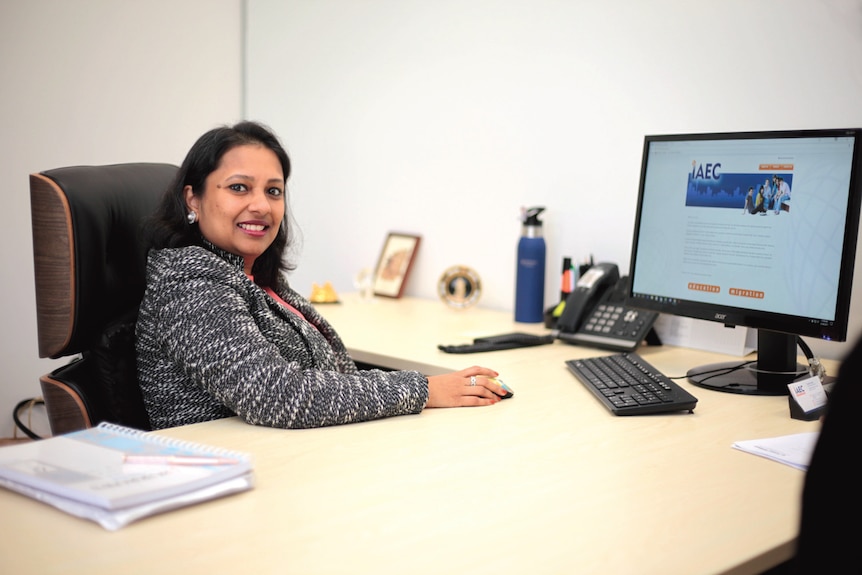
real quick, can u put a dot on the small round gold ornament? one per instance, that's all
(460, 287)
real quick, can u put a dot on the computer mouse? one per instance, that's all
(498, 381)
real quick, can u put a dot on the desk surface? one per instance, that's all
(546, 482)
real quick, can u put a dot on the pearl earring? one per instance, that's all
(192, 217)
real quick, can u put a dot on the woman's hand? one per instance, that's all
(465, 388)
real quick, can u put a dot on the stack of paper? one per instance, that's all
(115, 475)
(794, 450)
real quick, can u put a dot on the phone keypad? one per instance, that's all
(615, 320)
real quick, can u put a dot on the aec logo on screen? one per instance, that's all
(705, 171)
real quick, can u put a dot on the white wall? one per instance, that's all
(443, 118)
(97, 82)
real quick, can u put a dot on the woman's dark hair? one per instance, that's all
(169, 227)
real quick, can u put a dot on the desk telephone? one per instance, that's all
(596, 314)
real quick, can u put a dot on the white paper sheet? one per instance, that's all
(794, 450)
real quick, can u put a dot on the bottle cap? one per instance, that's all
(531, 216)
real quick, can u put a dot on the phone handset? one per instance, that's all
(588, 290)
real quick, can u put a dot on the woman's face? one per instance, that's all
(242, 205)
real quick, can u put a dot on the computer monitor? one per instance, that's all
(754, 229)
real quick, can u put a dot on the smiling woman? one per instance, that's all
(243, 204)
(221, 333)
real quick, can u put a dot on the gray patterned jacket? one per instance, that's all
(212, 344)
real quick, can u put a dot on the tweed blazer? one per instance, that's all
(212, 344)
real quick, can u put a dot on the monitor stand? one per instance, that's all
(776, 367)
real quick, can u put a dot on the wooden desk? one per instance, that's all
(546, 482)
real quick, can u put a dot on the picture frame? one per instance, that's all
(395, 263)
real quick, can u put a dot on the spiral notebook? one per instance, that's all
(113, 474)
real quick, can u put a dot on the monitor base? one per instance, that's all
(745, 378)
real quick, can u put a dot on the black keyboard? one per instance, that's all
(497, 342)
(628, 385)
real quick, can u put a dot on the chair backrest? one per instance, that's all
(89, 266)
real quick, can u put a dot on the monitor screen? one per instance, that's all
(753, 229)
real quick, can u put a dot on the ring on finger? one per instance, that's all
(472, 380)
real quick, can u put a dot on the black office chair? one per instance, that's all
(89, 263)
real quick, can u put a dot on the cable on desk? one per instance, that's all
(30, 403)
(814, 365)
(722, 371)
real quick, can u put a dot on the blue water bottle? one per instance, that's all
(530, 280)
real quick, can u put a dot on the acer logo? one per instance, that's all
(721, 316)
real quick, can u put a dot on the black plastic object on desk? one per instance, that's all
(627, 385)
(498, 342)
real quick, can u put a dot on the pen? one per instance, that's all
(177, 460)
(568, 280)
